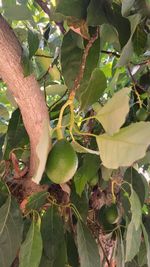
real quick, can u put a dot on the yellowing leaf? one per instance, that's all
(113, 114)
(125, 147)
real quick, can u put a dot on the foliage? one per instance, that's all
(92, 61)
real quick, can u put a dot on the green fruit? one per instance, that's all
(62, 162)
(108, 214)
(141, 114)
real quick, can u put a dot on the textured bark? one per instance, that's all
(28, 96)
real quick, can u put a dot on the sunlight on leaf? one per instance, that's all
(113, 114)
(125, 147)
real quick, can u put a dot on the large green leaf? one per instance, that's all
(97, 85)
(18, 12)
(31, 249)
(53, 237)
(97, 12)
(71, 56)
(16, 134)
(133, 241)
(11, 226)
(113, 114)
(124, 147)
(87, 247)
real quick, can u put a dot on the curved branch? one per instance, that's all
(29, 98)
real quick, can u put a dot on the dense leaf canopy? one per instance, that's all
(90, 60)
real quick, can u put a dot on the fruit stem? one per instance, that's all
(59, 124)
(71, 120)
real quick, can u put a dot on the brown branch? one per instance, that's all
(83, 63)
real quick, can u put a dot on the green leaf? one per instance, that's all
(128, 48)
(136, 209)
(33, 42)
(97, 85)
(92, 62)
(53, 236)
(121, 23)
(81, 203)
(120, 262)
(16, 134)
(133, 241)
(138, 183)
(36, 201)
(87, 247)
(11, 226)
(139, 40)
(147, 242)
(31, 249)
(112, 116)
(56, 89)
(142, 255)
(86, 172)
(96, 12)
(72, 8)
(18, 12)
(72, 253)
(71, 56)
(133, 138)
(109, 34)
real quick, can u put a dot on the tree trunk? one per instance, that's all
(29, 98)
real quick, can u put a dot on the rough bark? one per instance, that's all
(28, 96)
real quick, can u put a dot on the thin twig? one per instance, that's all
(111, 53)
(46, 56)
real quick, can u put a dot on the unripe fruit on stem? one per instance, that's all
(62, 162)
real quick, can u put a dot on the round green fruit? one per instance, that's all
(62, 162)
(141, 114)
(108, 214)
